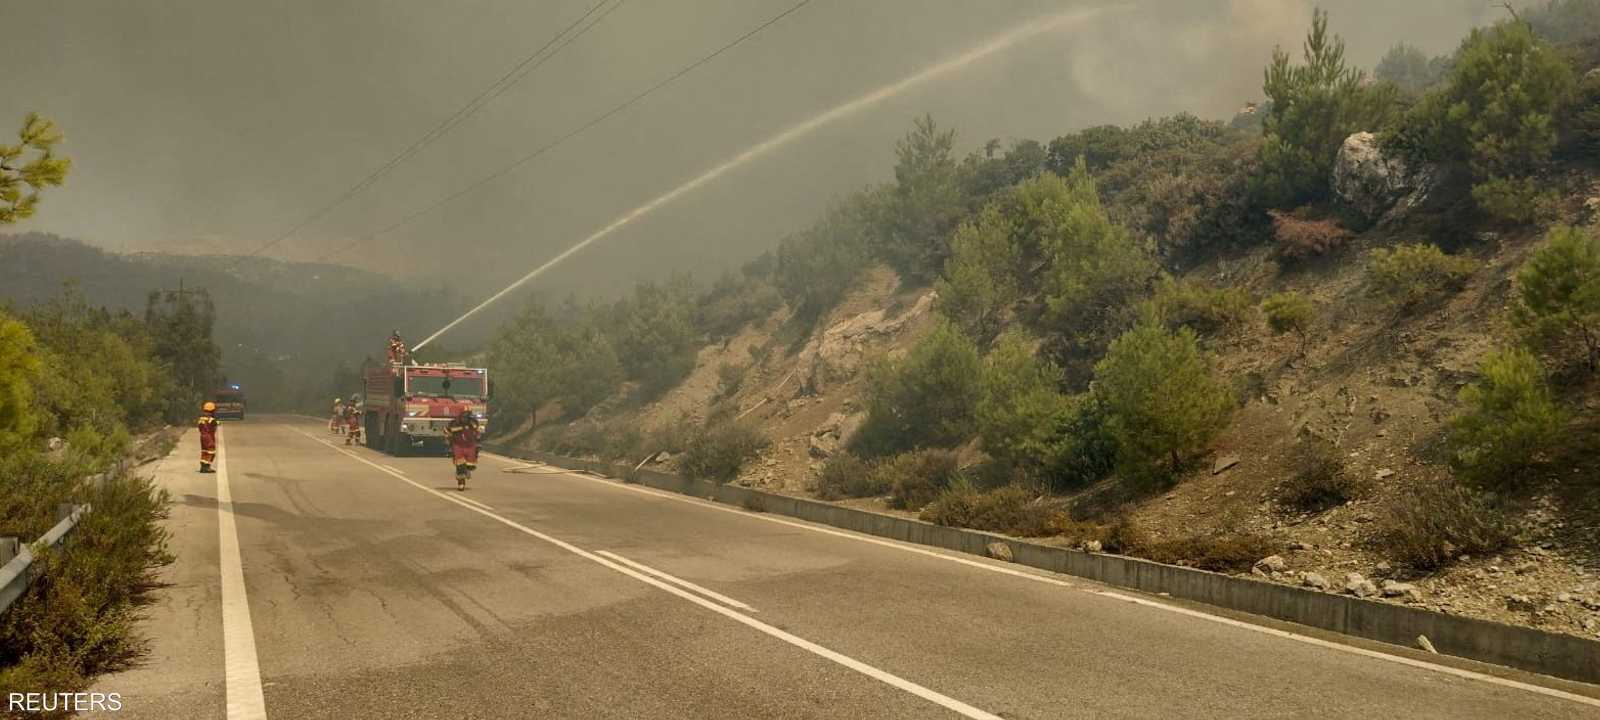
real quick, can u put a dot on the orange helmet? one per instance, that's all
(209, 406)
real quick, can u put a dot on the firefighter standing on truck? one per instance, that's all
(463, 433)
(208, 436)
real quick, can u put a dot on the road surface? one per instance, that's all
(315, 581)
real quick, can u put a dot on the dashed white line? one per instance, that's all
(1146, 602)
(241, 670)
(944, 701)
(646, 569)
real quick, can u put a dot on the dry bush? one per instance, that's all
(1299, 238)
(717, 453)
(916, 478)
(1219, 552)
(1012, 510)
(845, 475)
(1440, 520)
(1320, 480)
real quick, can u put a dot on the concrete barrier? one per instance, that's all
(1563, 656)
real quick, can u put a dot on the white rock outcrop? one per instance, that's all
(1374, 184)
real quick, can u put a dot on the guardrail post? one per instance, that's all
(9, 547)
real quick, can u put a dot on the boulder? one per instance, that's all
(1314, 580)
(1092, 546)
(1374, 184)
(1408, 591)
(1359, 586)
(1223, 463)
(1273, 563)
(1000, 551)
(823, 447)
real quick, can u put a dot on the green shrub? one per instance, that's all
(1319, 481)
(1496, 113)
(1514, 200)
(19, 366)
(926, 399)
(1289, 311)
(1410, 275)
(1438, 520)
(1085, 449)
(1206, 310)
(1162, 402)
(1021, 411)
(719, 452)
(1558, 295)
(78, 617)
(1300, 238)
(816, 267)
(1508, 420)
(982, 278)
(1095, 269)
(733, 302)
(1583, 122)
(1011, 510)
(1409, 69)
(915, 478)
(915, 215)
(846, 476)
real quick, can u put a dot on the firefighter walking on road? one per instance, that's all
(208, 436)
(336, 423)
(352, 435)
(463, 432)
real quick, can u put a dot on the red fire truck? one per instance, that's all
(408, 405)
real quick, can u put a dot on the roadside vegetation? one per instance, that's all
(77, 383)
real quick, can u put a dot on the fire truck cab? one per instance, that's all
(408, 405)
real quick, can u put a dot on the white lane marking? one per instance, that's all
(945, 701)
(398, 470)
(479, 503)
(242, 672)
(1146, 602)
(646, 569)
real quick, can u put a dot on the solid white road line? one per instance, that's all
(887, 678)
(242, 673)
(646, 569)
(478, 503)
(1146, 602)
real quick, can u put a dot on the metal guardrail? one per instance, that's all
(17, 570)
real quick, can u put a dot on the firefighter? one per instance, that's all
(463, 434)
(336, 423)
(397, 348)
(208, 436)
(352, 435)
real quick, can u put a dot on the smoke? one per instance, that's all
(214, 125)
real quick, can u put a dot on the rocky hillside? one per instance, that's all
(1359, 359)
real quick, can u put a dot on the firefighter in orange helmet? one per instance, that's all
(208, 436)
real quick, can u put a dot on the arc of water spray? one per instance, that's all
(792, 133)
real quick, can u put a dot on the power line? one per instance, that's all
(519, 71)
(502, 172)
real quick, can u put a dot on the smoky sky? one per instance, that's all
(212, 126)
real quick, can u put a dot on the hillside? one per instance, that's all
(1348, 357)
(285, 329)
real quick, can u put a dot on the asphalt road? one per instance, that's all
(318, 582)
